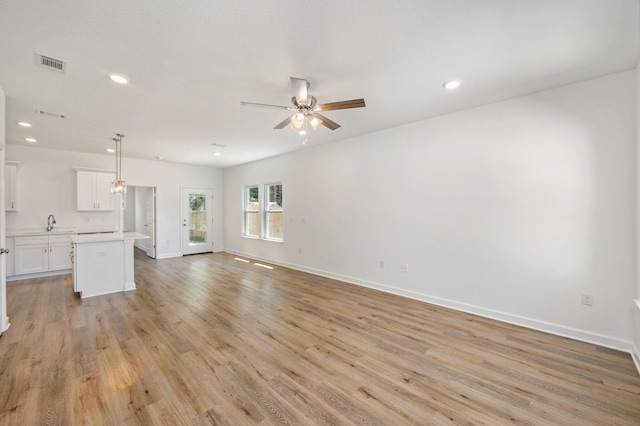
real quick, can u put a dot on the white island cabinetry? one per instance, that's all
(103, 263)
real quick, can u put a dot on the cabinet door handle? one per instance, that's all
(4, 251)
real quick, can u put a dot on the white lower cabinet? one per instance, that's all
(10, 262)
(42, 253)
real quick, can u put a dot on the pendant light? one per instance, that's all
(119, 186)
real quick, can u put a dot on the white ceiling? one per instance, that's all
(192, 62)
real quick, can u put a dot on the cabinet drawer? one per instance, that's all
(53, 239)
(36, 239)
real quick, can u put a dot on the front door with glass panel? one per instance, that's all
(197, 230)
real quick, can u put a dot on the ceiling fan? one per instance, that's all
(306, 109)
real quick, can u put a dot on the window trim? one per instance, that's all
(263, 189)
(265, 211)
(246, 211)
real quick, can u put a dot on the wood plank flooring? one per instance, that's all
(210, 340)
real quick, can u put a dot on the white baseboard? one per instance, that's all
(168, 255)
(635, 354)
(38, 275)
(556, 329)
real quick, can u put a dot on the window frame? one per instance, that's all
(266, 211)
(262, 213)
(245, 212)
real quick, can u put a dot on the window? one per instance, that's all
(263, 215)
(251, 212)
(273, 211)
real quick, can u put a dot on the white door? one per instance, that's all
(4, 319)
(150, 221)
(197, 219)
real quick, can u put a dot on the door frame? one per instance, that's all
(154, 190)
(4, 318)
(184, 230)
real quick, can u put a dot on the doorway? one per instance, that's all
(140, 216)
(197, 220)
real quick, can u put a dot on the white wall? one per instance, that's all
(509, 210)
(130, 210)
(47, 185)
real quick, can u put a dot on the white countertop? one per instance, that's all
(115, 236)
(33, 231)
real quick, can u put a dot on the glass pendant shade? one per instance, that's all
(119, 186)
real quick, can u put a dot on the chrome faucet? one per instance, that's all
(51, 220)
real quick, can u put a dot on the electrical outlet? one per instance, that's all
(587, 299)
(405, 267)
(382, 264)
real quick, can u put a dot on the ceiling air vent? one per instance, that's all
(50, 114)
(51, 63)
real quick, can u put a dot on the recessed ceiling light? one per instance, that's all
(24, 124)
(119, 78)
(30, 139)
(217, 153)
(451, 84)
(111, 150)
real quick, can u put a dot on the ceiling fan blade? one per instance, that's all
(266, 105)
(300, 86)
(332, 125)
(284, 123)
(353, 103)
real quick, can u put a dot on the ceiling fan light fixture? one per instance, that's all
(315, 123)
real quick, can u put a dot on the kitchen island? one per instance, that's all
(103, 263)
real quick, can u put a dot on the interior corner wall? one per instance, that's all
(636, 312)
(47, 185)
(511, 210)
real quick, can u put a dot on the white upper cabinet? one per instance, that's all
(94, 191)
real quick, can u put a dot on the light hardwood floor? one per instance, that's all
(207, 339)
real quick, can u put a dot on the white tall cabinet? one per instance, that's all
(94, 190)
